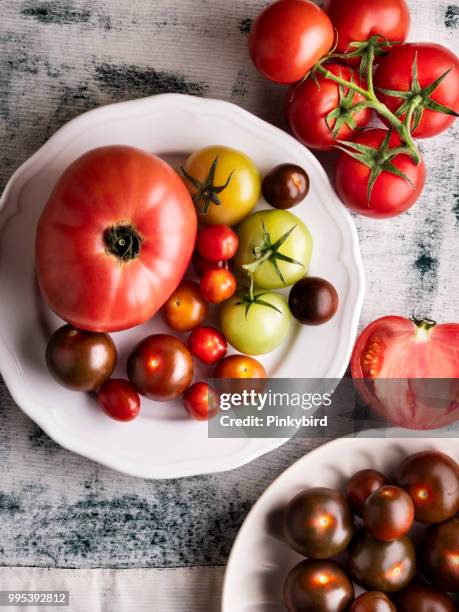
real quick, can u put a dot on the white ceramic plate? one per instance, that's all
(162, 443)
(260, 560)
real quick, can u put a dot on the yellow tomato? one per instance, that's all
(225, 184)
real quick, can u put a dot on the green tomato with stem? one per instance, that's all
(255, 321)
(275, 246)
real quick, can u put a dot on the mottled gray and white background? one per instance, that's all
(62, 57)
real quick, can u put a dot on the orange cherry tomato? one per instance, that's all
(239, 366)
(218, 285)
(186, 308)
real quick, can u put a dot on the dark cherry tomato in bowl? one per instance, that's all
(201, 401)
(217, 286)
(319, 111)
(186, 308)
(423, 598)
(313, 300)
(285, 186)
(207, 344)
(318, 523)
(288, 38)
(201, 265)
(118, 399)
(391, 194)
(440, 555)
(318, 585)
(432, 480)
(381, 566)
(358, 20)
(80, 360)
(388, 513)
(372, 601)
(361, 485)
(217, 242)
(160, 367)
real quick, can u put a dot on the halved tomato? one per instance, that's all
(408, 371)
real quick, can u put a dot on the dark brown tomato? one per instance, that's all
(318, 585)
(423, 598)
(388, 513)
(285, 186)
(361, 485)
(160, 367)
(381, 566)
(313, 300)
(432, 480)
(318, 523)
(372, 601)
(80, 360)
(440, 555)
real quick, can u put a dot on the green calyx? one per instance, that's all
(367, 51)
(344, 113)
(269, 252)
(123, 241)
(378, 160)
(418, 99)
(248, 297)
(206, 191)
(423, 323)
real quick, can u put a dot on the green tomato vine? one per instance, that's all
(404, 121)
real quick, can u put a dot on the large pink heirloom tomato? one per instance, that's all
(114, 239)
(421, 359)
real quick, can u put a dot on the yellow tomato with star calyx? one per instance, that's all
(224, 183)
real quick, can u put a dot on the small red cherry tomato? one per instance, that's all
(201, 401)
(207, 344)
(216, 242)
(118, 398)
(202, 265)
(217, 286)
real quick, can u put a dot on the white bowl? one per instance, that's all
(162, 442)
(260, 560)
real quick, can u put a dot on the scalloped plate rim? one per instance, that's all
(9, 366)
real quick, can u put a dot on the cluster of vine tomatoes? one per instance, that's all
(327, 56)
(319, 524)
(109, 232)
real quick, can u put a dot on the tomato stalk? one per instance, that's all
(423, 327)
(368, 55)
(123, 241)
(206, 191)
(269, 251)
(248, 297)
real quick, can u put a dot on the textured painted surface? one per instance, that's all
(61, 58)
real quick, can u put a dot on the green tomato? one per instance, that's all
(257, 327)
(276, 246)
